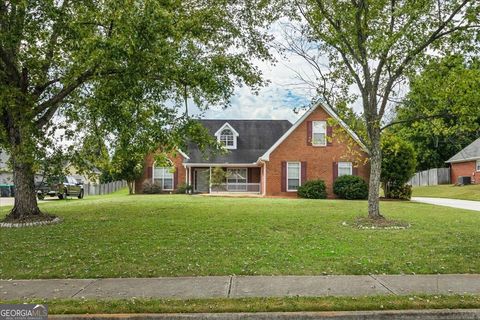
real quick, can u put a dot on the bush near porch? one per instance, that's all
(179, 235)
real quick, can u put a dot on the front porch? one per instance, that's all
(233, 180)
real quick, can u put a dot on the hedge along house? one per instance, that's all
(266, 157)
(466, 163)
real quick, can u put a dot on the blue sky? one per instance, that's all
(278, 100)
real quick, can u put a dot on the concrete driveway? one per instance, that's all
(454, 203)
(6, 202)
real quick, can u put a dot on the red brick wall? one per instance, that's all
(465, 169)
(319, 159)
(177, 161)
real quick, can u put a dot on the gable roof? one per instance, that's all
(470, 152)
(255, 137)
(333, 114)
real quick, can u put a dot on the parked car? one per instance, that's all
(67, 187)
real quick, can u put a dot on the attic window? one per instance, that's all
(227, 136)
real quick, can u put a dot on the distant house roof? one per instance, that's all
(470, 152)
(255, 137)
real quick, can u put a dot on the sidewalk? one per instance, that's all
(240, 286)
(454, 203)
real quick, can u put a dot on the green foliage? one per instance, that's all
(350, 187)
(402, 192)
(373, 46)
(441, 114)
(313, 189)
(114, 73)
(151, 188)
(184, 188)
(398, 166)
(218, 177)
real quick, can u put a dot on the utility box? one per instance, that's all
(464, 180)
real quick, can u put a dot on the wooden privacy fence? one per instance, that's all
(95, 189)
(431, 177)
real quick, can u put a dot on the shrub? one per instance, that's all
(350, 187)
(313, 189)
(402, 192)
(151, 188)
(184, 188)
(398, 166)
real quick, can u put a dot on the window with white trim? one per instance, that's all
(163, 176)
(319, 133)
(478, 165)
(227, 138)
(293, 176)
(345, 168)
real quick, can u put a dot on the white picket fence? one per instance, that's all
(431, 177)
(94, 189)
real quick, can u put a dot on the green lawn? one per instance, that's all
(155, 235)
(287, 304)
(471, 192)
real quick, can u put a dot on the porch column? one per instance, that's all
(263, 179)
(210, 181)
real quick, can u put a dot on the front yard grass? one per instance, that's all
(471, 192)
(178, 235)
(287, 304)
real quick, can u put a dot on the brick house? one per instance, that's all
(466, 163)
(267, 157)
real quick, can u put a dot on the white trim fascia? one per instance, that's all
(183, 154)
(226, 165)
(463, 160)
(235, 135)
(226, 124)
(266, 155)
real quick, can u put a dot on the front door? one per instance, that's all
(201, 180)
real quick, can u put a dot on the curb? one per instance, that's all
(442, 314)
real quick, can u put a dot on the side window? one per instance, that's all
(319, 133)
(164, 177)
(345, 168)
(478, 165)
(293, 176)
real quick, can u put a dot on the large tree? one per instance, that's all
(441, 113)
(365, 48)
(56, 55)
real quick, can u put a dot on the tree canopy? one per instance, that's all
(441, 113)
(363, 50)
(65, 65)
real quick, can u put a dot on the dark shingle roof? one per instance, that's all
(255, 137)
(470, 152)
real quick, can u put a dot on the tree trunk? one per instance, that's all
(375, 171)
(26, 206)
(130, 186)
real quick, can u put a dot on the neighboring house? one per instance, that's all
(6, 173)
(6, 176)
(267, 157)
(93, 177)
(466, 163)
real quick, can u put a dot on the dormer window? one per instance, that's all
(227, 136)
